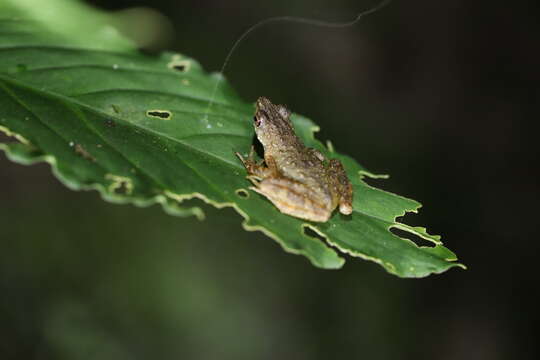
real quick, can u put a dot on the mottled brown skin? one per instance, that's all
(298, 180)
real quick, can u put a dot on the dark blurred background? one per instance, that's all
(443, 95)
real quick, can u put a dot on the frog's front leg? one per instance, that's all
(254, 169)
(343, 186)
(294, 198)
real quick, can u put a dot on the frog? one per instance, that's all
(300, 181)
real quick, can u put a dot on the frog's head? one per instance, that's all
(272, 124)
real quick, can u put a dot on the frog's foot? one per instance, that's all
(345, 201)
(345, 207)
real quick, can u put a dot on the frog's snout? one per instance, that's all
(263, 102)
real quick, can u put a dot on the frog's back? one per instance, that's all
(301, 166)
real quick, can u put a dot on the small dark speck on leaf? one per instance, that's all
(79, 150)
(110, 123)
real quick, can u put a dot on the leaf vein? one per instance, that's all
(156, 92)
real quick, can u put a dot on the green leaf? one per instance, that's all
(139, 130)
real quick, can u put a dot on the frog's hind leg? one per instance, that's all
(295, 199)
(343, 186)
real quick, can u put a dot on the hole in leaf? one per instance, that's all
(179, 65)
(419, 241)
(160, 114)
(309, 231)
(119, 184)
(243, 193)
(312, 232)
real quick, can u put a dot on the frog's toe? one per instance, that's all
(242, 159)
(238, 155)
(255, 180)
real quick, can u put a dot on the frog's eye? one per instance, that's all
(257, 121)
